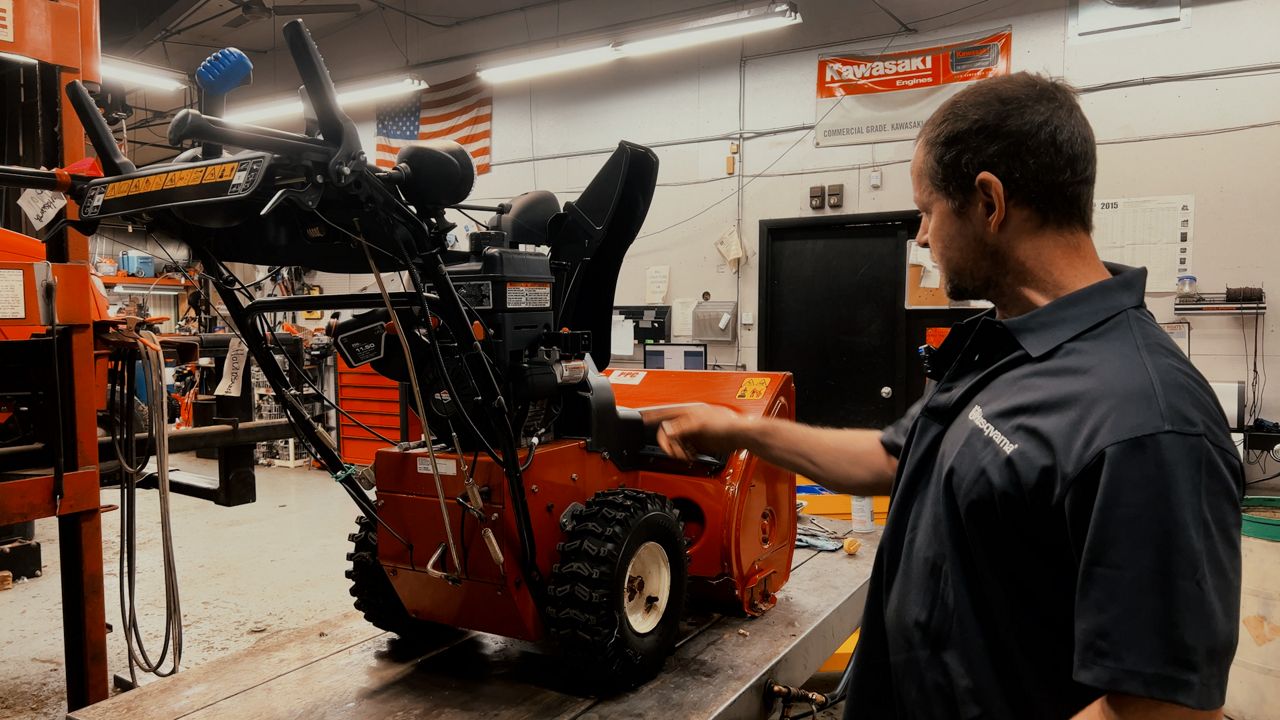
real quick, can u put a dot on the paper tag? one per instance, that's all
(443, 466)
(627, 377)
(234, 369)
(13, 296)
(41, 206)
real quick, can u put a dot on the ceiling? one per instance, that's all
(136, 27)
(440, 39)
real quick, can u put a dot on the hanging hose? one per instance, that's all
(152, 359)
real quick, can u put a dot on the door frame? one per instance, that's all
(768, 229)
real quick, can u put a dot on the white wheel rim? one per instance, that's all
(646, 587)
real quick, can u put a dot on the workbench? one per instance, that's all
(344, 668)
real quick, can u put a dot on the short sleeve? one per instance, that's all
(895, 436)
(1155, 526)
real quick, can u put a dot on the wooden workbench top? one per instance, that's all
(345, 668)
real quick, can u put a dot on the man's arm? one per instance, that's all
(845, 461)
(1127, 707)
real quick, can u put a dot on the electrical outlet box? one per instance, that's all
(748, 319)
(817, 197)
(835, 196)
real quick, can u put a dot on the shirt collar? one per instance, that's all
(1047, 327)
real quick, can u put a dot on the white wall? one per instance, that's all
(761, 85)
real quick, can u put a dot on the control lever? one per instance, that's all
(191, 125)
(335, 126)
(95, 127)
(220, 73)
(308, 197)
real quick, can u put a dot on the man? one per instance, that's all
(1063, 539)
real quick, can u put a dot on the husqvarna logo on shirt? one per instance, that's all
(989, 430)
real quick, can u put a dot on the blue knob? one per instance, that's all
(224, 71)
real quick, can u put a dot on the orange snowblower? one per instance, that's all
(537, 506)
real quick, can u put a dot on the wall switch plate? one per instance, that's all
(835, 196)
(817, 197)
(876, 179)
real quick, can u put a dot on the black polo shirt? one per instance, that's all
(1065, 523)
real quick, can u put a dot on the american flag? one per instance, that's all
(460, 110)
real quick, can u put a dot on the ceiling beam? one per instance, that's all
(143, 39)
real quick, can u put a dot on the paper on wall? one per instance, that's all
(930, 276)
(730, 248)
(1152, 232)
(682, 317)
(622, 338)
(919, 255)
(1180, 334)
(656, 279)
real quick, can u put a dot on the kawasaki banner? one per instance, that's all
(866, 97)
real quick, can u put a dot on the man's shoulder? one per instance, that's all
(1138, 362)
(1123, 378)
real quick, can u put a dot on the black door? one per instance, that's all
(831, 313)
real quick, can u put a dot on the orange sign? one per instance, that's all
(863, 74)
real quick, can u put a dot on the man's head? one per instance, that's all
(1001, 158)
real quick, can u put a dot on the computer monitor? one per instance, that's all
(675, 356)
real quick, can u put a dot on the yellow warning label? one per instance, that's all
(753, 388)
(176, 178)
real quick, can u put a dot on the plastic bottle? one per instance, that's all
(863, 514)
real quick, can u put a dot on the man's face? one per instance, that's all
(957, 241)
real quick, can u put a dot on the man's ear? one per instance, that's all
(989, 193)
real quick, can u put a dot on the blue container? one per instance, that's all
(138, 265)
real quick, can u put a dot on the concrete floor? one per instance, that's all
(271, 565)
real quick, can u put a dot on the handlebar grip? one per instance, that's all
(336, 127)
(191, 125)
(95, 127)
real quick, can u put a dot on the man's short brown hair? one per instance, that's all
(1028, 131)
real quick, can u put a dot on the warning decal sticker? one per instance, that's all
(753, 388)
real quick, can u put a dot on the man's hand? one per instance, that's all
(688, 430)
(846, 461)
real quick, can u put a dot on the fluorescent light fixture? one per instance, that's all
(712, 30)
(18, 58)
(549, 65)
(140, 289)
(762, 17)
(347, 98)
(140, 75)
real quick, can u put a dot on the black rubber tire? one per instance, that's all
(585, 595)
(374, 595)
